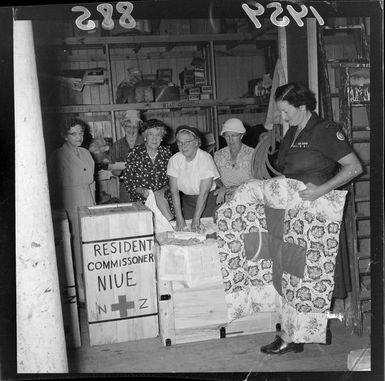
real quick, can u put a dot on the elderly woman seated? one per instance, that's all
(146, 166)
(192, 172)
(234, 161)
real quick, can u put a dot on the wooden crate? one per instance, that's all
(197, 313)
(119, 272)
(67, 285)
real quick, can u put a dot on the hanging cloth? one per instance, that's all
(273, 114)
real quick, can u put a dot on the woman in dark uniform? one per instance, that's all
(315, 152)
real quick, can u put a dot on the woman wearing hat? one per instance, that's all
(192, 172)
(130, 124)
(233, 161)
(146, 166)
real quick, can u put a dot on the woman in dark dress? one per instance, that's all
(146, 166)
(315, 152)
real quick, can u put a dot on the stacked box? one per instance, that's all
(192, 80)
(191, 294)
(119, 272)
(207, 89)
(164, 75)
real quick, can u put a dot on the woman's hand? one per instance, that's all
(180, 224)
(220, 193)
(143, 191)
(311, 192)
(197, 227)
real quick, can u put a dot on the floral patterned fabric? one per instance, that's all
(142, 172)
(234, 174)
(303, 297)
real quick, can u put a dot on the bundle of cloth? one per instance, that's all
(278, 252)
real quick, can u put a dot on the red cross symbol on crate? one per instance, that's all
(122, 306)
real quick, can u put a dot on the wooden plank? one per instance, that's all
(166, 312)
(157, 105)
(160, 39)
(199, 307)
(66, 279)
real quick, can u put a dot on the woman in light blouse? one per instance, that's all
(192, 172)
(234, 161)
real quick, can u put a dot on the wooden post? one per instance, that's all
(311, 28)
(213, 77)
(40, 332)
(282, 54)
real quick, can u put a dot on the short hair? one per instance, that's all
(296, 94)
(134, 122)
(153, 123)
(193, 131)
(71, 122)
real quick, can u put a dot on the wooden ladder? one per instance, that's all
(353, 97)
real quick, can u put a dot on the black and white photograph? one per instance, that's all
(192, 189)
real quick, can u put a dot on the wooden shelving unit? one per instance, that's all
(205, 44)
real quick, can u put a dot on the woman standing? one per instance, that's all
(71, 173)
(234, 161)
(130, 124)
(192, 171)
(317, 153)
(146, 166)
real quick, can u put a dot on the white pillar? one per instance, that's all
(40, 332)
(312, 59)
(282, 48)
(282, 53)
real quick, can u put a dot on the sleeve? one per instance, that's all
(332, 142)
(208, 167)
(129, 174)
(172, 166)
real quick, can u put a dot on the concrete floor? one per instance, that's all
(235, 354)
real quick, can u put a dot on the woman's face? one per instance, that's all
(75, 136)
(233, 140)
(291, 114)
(153, 137)
(130, 130)
(187, 144)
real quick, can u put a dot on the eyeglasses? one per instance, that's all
(183, 144)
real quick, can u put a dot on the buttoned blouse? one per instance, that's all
(234, 173)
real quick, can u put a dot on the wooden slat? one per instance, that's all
(156, 105)
(160, 39)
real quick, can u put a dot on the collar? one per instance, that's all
(314, 119)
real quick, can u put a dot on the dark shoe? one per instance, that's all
(279, 347)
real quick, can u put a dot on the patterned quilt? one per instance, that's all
(278, 252)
